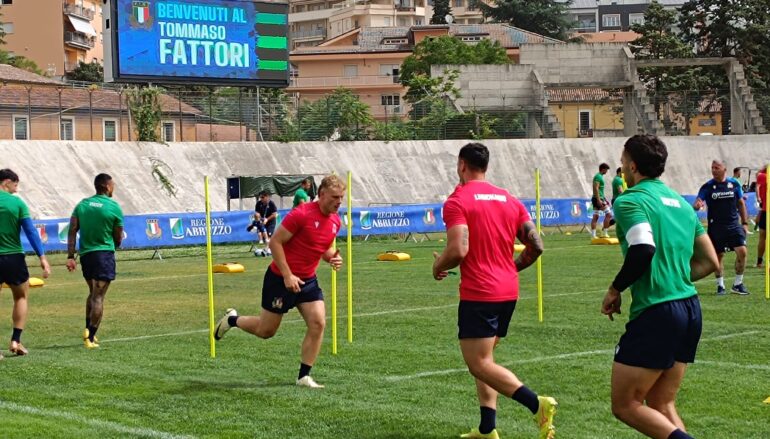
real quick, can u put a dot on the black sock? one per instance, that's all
(527, 398)
(304, 370)
(759, 261)
(232, 321)
(487, 420)
(16, 335)
(88, 322)
(679, 434)
(92, 332)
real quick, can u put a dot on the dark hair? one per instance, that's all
(738, 169)
(100, 182)
(7, 174)
(619, 171)
(476, 156)
(604, 166)
(264, 193)
(307, 180)
(648, 152)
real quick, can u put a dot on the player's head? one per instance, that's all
(104, 185)
(473, 159)
(737, 172)
(603, 168)
(619, 172)
(264, 196)
(330, 194)
(9, 181)
(644, 156)
(718, 169)
(306, 183)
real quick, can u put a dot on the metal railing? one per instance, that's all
(79, 11)
(315, 33)
(333, 81)
(79, 39)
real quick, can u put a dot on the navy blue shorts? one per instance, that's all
(276, 298)
(98, 265)
(726, 240)
(484, 319)
(662, 334)
(262, 228)
(13, 269)
(762, 220)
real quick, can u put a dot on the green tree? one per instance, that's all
(2, 30)
(338, 116)
(544, 17)
(87, 72)
(144, 104)
(441, 9)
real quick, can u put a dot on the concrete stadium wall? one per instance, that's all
(56, 175)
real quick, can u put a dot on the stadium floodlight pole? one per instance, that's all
(209, 267)
(767, 236)
(540, 259)
(349, 216)
(334, 303)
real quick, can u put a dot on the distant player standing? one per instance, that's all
(301, 196)
(483, 222)
(617, 185)
(99, 220)
(727, 223)
(300, 242)
(600, 202)
(665, 250)
(14, 216)
(762, 217)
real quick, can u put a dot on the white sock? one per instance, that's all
(721, 281)
(738, 279)
(593, 233)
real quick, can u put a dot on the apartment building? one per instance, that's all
(55, 34)
(612, 15)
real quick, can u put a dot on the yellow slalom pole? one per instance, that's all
(767, 236)
(540, 259)
(209, 267)
(334, 303)
(349, 215)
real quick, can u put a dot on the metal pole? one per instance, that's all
(211, 115)
(120, 113)
(259, 113)
(181, 120)
(29, 113)
(73, 128)
(91, 111)
(240, 115)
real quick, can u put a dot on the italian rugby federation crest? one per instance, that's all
(429, 217)
(140, 14)
(153, 230)
(42, 233)
(575, 211)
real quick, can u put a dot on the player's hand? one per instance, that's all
(45, 266)
(438, 275)
(746, 229)
(698, 204)
(611, 303)
(293, 283)
(336, 261)
(71, 264)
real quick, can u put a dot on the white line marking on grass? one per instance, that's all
(764, 367)
(395, 378)
(104, 425)
(145, 337)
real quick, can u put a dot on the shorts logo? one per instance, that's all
(64, 230)
(365, 218)
(575, 211)
(153, 229)
(429, 217)
(42, 233)
(177, 229)
(278, 303)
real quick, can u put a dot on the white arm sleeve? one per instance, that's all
(640, 234)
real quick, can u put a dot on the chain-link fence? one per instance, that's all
(75, 112)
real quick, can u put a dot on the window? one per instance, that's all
(395, 41)
(7, 28)
(635, 19)
(584, 122)
(168, 131)
(110, 130)
(387, 69)
(418, 21)
(390, 100)
(458, 3)
(20, 128)
(471, 39)
(402, 21)
(6, 2)
(387, 21)
(350, 71)
(586, 22)
(67, 128)
(611, 20)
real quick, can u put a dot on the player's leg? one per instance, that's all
(276, 301)
(314, 314)
(662, 395)
(607, 221)
(762, 236)
(20, 293)
(265, 325)
(98, 293)
(738, 243)
(90, 284)
(719, 274)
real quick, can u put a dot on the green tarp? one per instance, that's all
(281, 185)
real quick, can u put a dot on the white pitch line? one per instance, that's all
(97, 423)
(764, 367)
(396, 378)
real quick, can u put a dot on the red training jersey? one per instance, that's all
(762, 190)
(312, 234)
(493, 217)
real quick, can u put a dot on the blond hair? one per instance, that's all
(331, 182)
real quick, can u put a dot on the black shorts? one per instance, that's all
(13, 269)
(262, 228)
(662, 334)
(762, 220)
(98, 265)
(726, 240)
(597, 203)
(484, 319)
(276, 298)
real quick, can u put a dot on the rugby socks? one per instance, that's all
(92, 332)
(88, 322)
(721, 282)
(759, 261)
(679, 434)
(593, 233)
(232, 321)
(16, 335)
(527, 398)
(487, 420)
(738, 279)
(304, 370)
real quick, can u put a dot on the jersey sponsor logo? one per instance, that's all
(575, 210)
(95, 204)
(490, 197)
(153, 229)
(42, 233)
(670, 202)
(429, 217)
(316, 224)
(177, 228)
(334, 228)
(722, 195)
(64, 230)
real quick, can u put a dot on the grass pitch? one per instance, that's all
(403, 377)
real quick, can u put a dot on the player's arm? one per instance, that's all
(332, 256)
(279, 239)
(704, 258)
(743, 212)
(699, 200)
(117, 235)
(273, 214)
(533, 244)
(72, 237)
(596, 191)
(454, 253)
(37, 245)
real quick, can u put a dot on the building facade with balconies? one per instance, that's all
(55, 34)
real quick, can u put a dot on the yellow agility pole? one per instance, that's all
(349, 215)
(334, 303)
(767, 236)
(209, 267)
(540, 259)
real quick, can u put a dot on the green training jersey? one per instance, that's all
(299, 197)
(97, 216)
(617, 186)
(674, 229)
(12, 211)
(599, 178)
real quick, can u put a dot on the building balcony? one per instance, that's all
(332, 82)
(79, 11)
(314, 34)
(79, 40)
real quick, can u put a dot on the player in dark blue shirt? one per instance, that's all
(727, 222)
